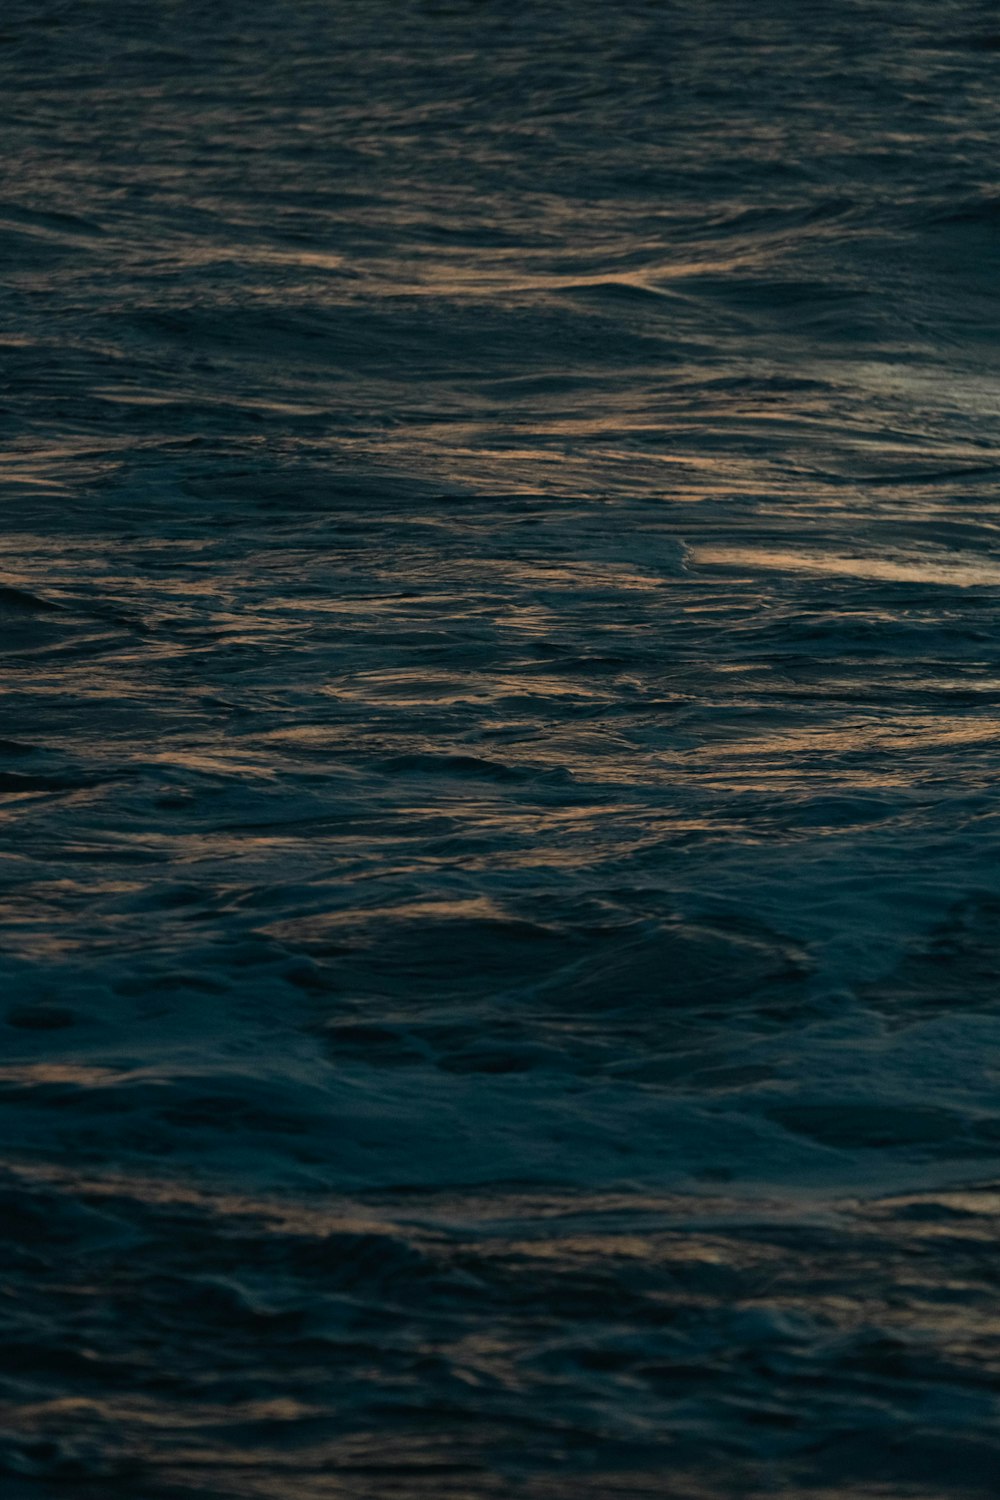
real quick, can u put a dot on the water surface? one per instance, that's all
(500, 661)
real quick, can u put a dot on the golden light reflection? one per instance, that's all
(960, 570)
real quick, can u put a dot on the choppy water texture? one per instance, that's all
(500, 659)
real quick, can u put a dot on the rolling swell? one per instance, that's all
(498, 911)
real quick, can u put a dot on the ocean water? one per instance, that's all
(501, 687)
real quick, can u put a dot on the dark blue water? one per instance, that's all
(500, 908)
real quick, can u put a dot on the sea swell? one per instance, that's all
(498, 912)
